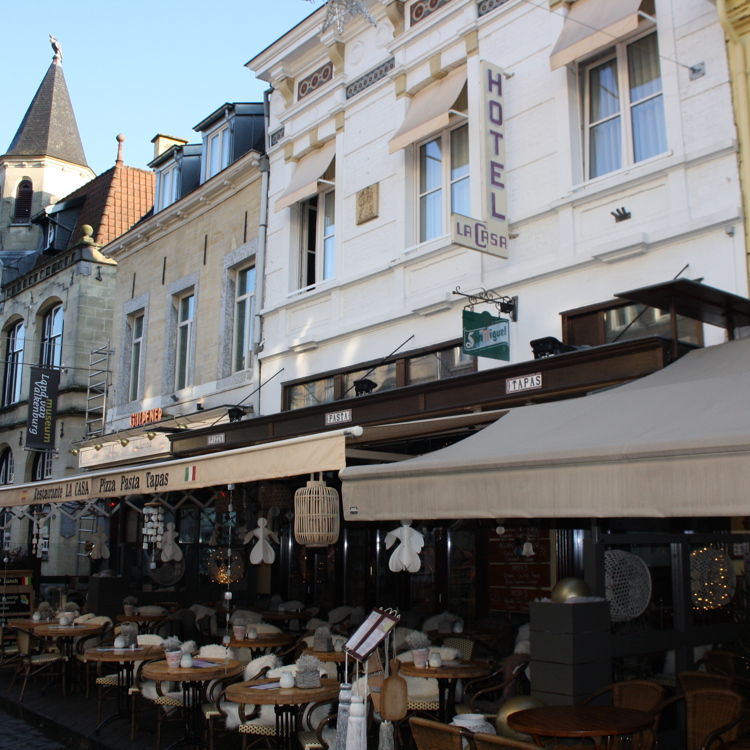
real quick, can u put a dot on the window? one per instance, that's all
(169, 180)
(52, 332)
(623, 130)
(136, 346)
(24, 196)
(443, 181)
(42, 467)
(318, 225)
(185, 325)
(6, 467)
(244, 309)
(445, 363)
(217, 151)
(14, 364)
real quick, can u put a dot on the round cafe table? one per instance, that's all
(286, 703)
(286, 618)
(262, 642)
(447, 675)
(337, 657)
(192, 680)
(603, 724)
(30, 625)
(127, 658)
(150, 622)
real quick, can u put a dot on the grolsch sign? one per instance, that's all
(41, 423)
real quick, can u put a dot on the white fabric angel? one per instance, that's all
(262, 552)
(406, 555)
(170, 550)
(99, 548)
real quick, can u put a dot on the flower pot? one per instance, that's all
(129, 609)
(173, 659)
(420, 656)
(239, 632)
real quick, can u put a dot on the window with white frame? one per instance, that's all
(168, 187)
(16, 338)
(52, 333)
(624, 107)
(185, 336)
(317, 238)
(136, 349)
(244, 309)
(42, 467)
(6, 467)
(218, 150)
(444, 185)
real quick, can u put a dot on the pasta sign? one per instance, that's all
(489, 234)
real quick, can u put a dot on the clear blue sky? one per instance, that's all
(136, 67)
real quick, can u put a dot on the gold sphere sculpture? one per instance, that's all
(516, 703)
(569, 588)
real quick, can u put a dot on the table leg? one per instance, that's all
(191, 692)
(446, 699)
(286, 727)
(124, 681)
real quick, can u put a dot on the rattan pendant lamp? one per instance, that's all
(316, 514)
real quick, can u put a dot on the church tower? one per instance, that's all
(44, 162)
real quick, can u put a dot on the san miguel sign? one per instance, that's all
(490, 233)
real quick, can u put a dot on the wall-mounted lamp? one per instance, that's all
(621, 214)
(62, 429)
(174, 398)
(124, 442)
(74, 451)
(235, 413)
(20, 437)
(181, 426)
(98, 446)
(150, 435)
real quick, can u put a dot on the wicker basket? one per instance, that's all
(308, 680)
(323, 642)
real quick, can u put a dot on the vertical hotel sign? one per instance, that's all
(490, 233)
(40, 427)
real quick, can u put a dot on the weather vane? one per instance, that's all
(56, 48)
(338, 11)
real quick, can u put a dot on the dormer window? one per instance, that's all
(168, 186)
(217, 151)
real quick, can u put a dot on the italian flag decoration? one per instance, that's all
(191, 473)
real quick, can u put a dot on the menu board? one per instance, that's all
(371, 632)
(16, 593)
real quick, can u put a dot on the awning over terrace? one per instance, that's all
(675, 443)
(284, 458)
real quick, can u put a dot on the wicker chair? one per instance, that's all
(467, 646)
(34, 660)
(496, 682)
(432, 735)
(712, 715)
(704, 681)
(492, 742)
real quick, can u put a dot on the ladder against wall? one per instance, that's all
(96, 395)
(88, 524)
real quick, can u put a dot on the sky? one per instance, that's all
(138, 68)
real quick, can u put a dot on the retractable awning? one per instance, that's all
(429, 110)
(309, 170)
(284, 458)
(592, 25)
(673, 444)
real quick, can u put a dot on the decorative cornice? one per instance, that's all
(394, 9)
(286, 87)
(336, 55)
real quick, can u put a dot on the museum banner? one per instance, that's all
(40, 426)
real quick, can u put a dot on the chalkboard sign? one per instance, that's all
(16, 593)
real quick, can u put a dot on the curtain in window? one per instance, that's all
(460, 193)
(605, 135)
(430, 191)
(649, 131)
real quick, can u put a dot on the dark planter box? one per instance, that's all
(570, 679)
(571, 648)
(583, 617)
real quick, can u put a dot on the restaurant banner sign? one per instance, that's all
(489, 234)
(486, 336)
(40, 426)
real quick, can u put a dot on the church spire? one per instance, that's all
(49, 126)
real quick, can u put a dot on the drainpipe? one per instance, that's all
(260, 261)
(740, 71)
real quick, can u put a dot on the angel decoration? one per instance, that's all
(262, 552)
(406, 554)
(170, 550)
(99, 549)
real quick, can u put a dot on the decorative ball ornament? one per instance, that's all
(316, 515)
(226, 565)
(569, 588)
(711, 578)
(627, 585)
(516, 703)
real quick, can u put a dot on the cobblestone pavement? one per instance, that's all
(16, 734)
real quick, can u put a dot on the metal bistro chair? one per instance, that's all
(34, 661)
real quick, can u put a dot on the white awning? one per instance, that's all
(284, 458)
(429, 110)
(592, 25)
(673, 444)
(309, 170)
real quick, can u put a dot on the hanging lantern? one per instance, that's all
(316, 514)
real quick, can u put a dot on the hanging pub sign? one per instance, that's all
(486, 336)
(490, 233)
(40, 426)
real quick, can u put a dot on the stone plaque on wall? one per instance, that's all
(368, 203)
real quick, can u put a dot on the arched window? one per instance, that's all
(42, 467)
(24, 196)
(52, 332)
(6, 466)
(16, 339)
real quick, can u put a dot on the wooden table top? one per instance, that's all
(68, 631)
(268, 640)
(160, 671)
(464, 670)
(30, 624)
(579, 721)
(141, 618)
(335, 656)
(123, 654)
(298, 614)
(246, 692)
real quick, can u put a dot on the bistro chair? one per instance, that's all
(9, 653)
(483, 741)
(497, 683)
(704, 681)
(433, 735)
(712, 715)
(34, 661)
(467, 646)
